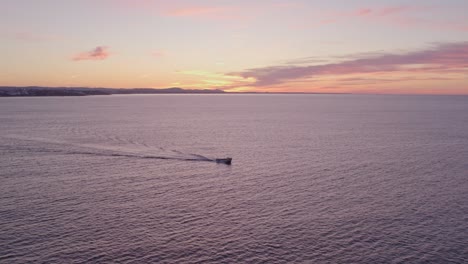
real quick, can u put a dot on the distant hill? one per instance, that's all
(6, 91)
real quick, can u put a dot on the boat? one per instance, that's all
(226, 161)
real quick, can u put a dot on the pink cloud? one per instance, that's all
(421, 23)
(372, 12)
(452, 57)
(400, 16)
(363, 12)
(392, 10)
(220, 13)
(34, 37)
(328, 21)
(463, 28)
(458, 26)
(99, 53)
(134, 3)
(180, 9)
(196, 11)
(158, 54)
(28, 36)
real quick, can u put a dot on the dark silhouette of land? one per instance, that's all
(7, 91)
(15, 91)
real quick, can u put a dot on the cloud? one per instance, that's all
(373, 80)
(363, 12)
(393, 10)
(181, 9)
(378, 14)
(28, 36)
(441, 26)
(403, 16)
(217, 80)
(158, 54)
(99, 53)
(374, 12)
(448, 57)
(307, 60)
(197, 12)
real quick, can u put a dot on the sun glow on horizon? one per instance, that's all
(238, 45)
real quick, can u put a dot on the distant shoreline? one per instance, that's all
(12, 91)
(28, 91)
(43, 91)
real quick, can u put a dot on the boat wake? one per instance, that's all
(69, 148)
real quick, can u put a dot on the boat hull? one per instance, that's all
(226, 161)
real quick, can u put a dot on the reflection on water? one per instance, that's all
(315, 179)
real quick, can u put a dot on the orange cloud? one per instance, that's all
(99, 53)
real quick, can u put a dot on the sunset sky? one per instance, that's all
(358, 46)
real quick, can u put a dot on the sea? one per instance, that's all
(314, 179)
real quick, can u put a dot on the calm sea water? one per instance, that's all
(314, 179)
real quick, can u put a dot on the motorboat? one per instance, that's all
(226, 161)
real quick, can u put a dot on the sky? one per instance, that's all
(333, 46)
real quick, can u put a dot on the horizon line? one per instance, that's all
(224, 91)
